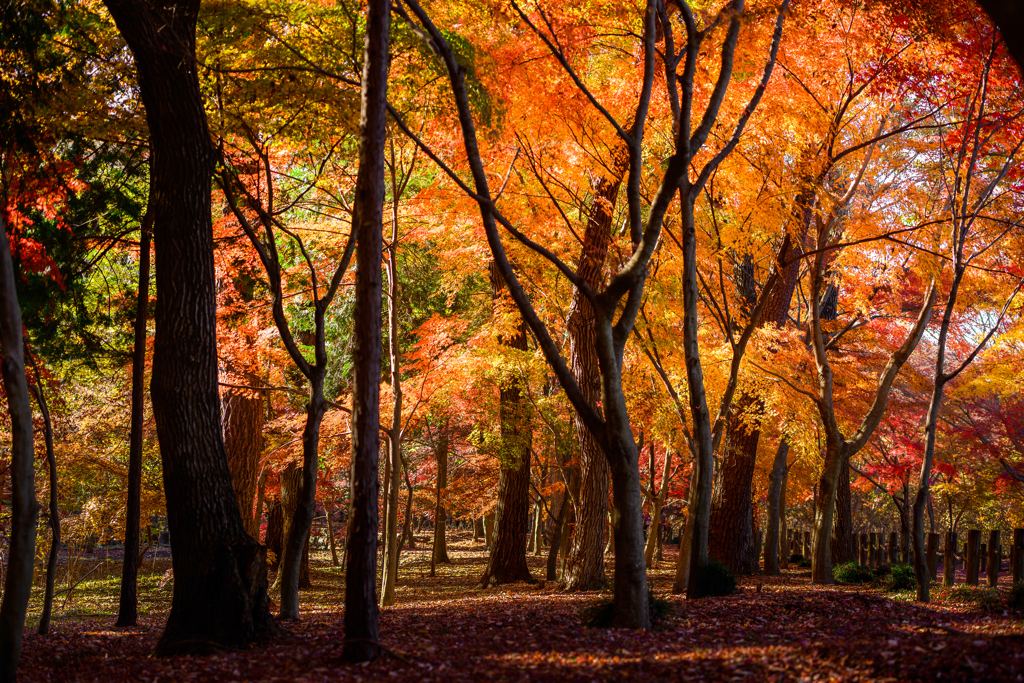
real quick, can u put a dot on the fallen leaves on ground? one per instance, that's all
(446, 629)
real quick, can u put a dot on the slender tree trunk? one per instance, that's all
(507, 560)
(654, 535)
(330, 536)
(220, 597)
(407, 522)
(390, 564)
(775, 512)
(440, 550)
(127, 612)
(54, 512)
(275, 532)
(24, 508)
(362, 630)
(242, 423)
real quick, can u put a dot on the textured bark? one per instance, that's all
(127, 612)
(842, 529)
(776, 511)
(584, 563)
(440, 550)
(362, 628)
(242, 423)
(507, 560)
(275, 532)
(220, 597)
(291, 496)
(24, 508)
(730, 531)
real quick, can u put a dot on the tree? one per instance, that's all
(362, 639)
(24, 508)
(220, 591)
(972, 177)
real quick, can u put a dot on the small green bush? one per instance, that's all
(714, 579)
(805, 563)
(882, 571)
(602, 614)
(1015, 599)
(851, 572)
(901, 577)
(796, 558)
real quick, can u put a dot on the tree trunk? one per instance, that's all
(127, 611)
(54, 512)
(507, 560)
(242, 423)
(291, 499)
(842, 529)
(654, 534)
(407, 522)
(440, 550)
(584, 564)
(391, 545)
(729, 524)
(362, 629)
(775, 510)
(275, 532)
(24, 508)
(330, 536)
(220, 596)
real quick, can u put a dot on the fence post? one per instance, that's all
(864, 550)
(933, 556)
(893, 543)
(1016, 555)
(873, 549)
(971, 556)
(807, 545)
(995, 558)
(949, 561)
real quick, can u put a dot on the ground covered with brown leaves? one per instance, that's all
(446, 629)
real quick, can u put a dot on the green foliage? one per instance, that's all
(991, 601)
(899, 577)
(852, 573)
(714, 579)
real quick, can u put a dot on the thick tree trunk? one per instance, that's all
(291, 502)
(242, 423)
(362, 629)
(729, 530)
(842, 529)
(220, 597)
(127, 612)
(24, 508)
(824, 514)
(775, 510)
(507, 560)
(584, 564)
(440, 550)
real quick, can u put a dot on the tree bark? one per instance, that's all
(729, 529)
(127, 612)
(242, 423)
(220, 597)
(584, 564)
(440, 550)
(507, 560)
(362, 630)
(275, 532)
(24, 508)
(775, 510)
(291, 498)
(54, 512)
(842, 528)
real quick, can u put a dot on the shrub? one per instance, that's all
(991, 601)
(714, 579)
(796, 558)
(882, 571)
(1015, 600)
(900, 577)
(602, 614)
(805, 563)
(851, 572)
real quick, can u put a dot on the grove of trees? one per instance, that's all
(600, 278)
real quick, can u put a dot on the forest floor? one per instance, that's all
(446, 629)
